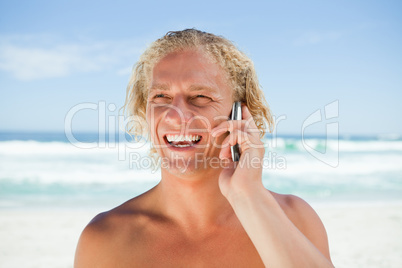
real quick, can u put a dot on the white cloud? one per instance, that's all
(312, 38)
(28, 58)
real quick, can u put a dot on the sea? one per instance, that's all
(86, 170)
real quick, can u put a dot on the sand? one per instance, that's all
(36, 238)
(360, 235)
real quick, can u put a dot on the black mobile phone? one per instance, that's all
(236, 115)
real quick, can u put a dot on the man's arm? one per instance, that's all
(289, 234)
(282, 241)
(90, 250)
(84, 250)
(307, 221)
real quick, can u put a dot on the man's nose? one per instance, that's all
(180, 112)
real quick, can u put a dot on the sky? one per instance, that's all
(56, 56)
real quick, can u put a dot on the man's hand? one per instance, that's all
(247, 173)
(281, 242)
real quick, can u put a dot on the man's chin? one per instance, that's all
(179, 165)
(182, 172)
(191, 165)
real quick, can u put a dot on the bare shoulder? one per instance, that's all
(303, 216)
(107, 233)
(297, 210)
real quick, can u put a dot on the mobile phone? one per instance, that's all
(236, 115)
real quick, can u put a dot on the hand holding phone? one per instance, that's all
(236, 115)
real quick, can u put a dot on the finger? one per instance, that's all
(225, 148)
(246, 142)
(236, 137)
(217, 131)
(251, 137)
(247, 123)
(245, 112)
(227, 126)
(232, 125)
(248, 117)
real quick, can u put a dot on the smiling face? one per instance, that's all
(189, 95)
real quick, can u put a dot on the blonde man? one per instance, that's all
(207, 211)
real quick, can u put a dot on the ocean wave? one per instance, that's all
(278, 144)
(322, 145)
(32, 164)
(15, 147)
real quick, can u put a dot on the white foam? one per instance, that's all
(48, 162)
(332, 144)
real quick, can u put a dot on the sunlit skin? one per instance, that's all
(191, 98)
(202, 216)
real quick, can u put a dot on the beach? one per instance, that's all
(364, 235)
(38, 238)
(360, 235)
(50, 189)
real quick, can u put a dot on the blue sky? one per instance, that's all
(57, 54)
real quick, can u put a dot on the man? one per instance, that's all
(207, 211)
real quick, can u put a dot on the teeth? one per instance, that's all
(178, 138)
(180, 145)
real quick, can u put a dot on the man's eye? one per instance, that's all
(160, 98)
(201, 99)
(202, 96)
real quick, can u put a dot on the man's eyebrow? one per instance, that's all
(200, 88)
(159, 86)
(191, 88)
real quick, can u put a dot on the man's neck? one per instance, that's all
(194, 202)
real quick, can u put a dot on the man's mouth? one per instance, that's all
(181, 141)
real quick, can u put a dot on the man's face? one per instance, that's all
(189, 95)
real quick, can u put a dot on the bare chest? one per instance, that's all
(220, 249)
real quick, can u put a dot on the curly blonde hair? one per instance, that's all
(238, 67)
